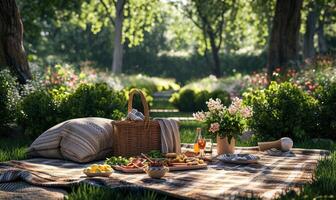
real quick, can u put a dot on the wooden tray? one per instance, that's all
(171, 168)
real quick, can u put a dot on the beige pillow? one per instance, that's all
(80, 140)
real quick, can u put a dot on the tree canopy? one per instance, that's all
(217, 37)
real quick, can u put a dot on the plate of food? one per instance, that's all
(173, 161)
(239, 158)
(98, 170)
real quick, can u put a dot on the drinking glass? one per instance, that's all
(201, 144)
(208, 146)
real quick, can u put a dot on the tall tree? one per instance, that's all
(118, 46)
(12, 52)
(129, 18)
(308, 38)
(327, 17)
(283, 47)
(209, 17)
(43, 19)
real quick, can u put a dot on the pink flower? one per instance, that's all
(214, 105)
(235, 106)
(199, 116)
(214, 127)
(232, 110)
(246, 112)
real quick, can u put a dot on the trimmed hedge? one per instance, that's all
(188, 100)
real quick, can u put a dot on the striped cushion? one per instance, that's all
(80, 140)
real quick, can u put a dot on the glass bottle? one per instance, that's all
(198, 135)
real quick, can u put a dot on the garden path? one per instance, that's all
(163, 108)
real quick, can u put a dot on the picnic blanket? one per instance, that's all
(267, 179)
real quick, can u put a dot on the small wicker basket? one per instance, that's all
(131, 138)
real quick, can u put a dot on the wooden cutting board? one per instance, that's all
(171, 168)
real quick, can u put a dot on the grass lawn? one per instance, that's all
(162, 103)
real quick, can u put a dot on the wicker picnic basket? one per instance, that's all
(132, 138)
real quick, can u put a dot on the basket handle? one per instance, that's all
(143, 100)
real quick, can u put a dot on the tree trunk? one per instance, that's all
(12, 53)
(283, 47)
(215, 51)
(308, 42)
(118, 46)
(322, 44)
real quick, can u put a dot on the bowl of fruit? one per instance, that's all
(156, 169)
(98, 170)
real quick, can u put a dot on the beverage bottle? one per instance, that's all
(198, 135)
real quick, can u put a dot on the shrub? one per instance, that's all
(94, 100)
(200, 99)
(231, 84)
(38, 112)
(190, 101)
(282, 110)
(327, 118)
(222, 95)
(43, 109)
(9, 96)
(184, 100)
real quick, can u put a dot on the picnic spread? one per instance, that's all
(147, 154)
(266, 179)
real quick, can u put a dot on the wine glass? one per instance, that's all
(201, 144)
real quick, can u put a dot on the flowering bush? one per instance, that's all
(63, 75)
(225, 122)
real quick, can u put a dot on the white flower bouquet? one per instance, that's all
(225, 122)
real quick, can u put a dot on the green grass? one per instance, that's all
(87, 192)
(13, 149)
(188, 131)
(162, 103)
(170, 114)
(323, 185)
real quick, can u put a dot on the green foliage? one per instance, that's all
(184, 100)
(13, 148)
(326, 96)
(88, 192)
(200, 99)
(139, 17)
(325, 178)
(323, 185)
(38, 112)
(188, 100)
(43, 109)
(117, 160)
(71, 76)
(9, 96)
(150, 84)
(97, 100)
(283, 110)
(232, 84)
(203, 96)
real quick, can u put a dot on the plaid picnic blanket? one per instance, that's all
(38, 178)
